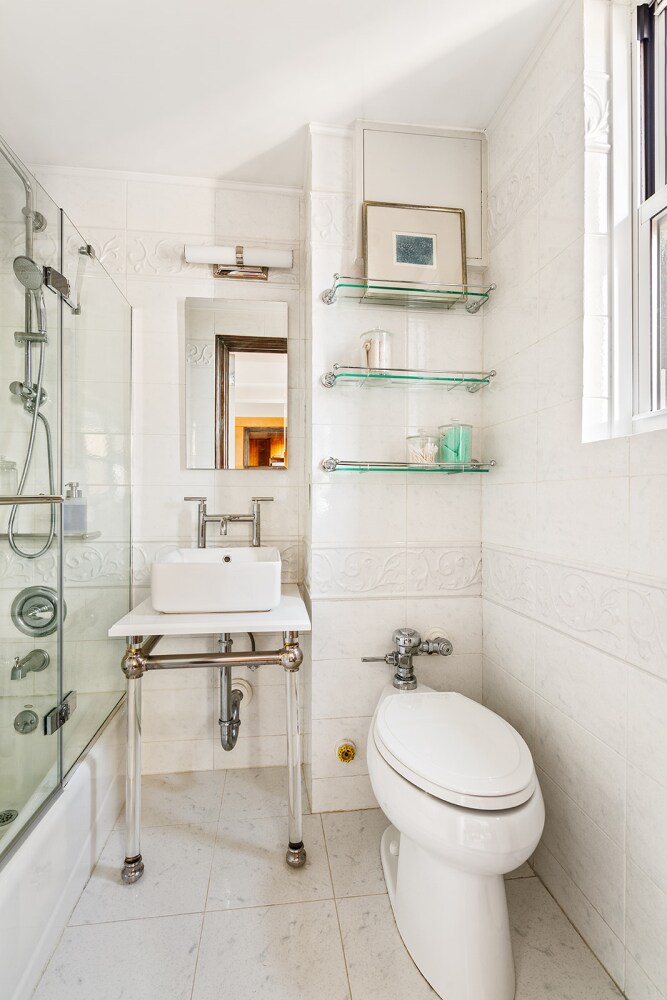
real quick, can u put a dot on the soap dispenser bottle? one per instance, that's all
(75, 510)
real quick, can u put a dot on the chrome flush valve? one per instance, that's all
(409, 643)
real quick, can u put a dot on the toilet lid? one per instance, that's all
(455, 749)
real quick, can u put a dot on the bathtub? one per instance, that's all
(28, 761)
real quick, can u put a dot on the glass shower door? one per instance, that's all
(30, 563)
(97, 380)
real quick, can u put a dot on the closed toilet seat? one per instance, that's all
(455, 749)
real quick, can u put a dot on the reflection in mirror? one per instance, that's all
(236, 384)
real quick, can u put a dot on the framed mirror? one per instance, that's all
(236, 395)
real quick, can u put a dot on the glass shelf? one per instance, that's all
(377, 291)
(349, 375)
(446, 468)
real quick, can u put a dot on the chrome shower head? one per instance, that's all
(29, 274)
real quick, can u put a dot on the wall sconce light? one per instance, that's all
(239, 262)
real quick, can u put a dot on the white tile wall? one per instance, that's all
(575, 620)
(385, 551)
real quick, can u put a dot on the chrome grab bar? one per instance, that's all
(39, 498)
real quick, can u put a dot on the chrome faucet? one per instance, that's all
(224, 520)
(35, 660)
(409, 643)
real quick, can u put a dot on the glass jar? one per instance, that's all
(455, 442)
(423, 448)
(376, 349)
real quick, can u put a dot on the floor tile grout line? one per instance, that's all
(194, 974)
(361, 895)
(335, 902)
(210, 870)
(132, 920)
(342, 945)
(222, 796)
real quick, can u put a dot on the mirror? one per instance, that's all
(236, 384)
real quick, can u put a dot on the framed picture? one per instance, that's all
(415, 243)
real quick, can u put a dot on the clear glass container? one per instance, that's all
(455, 442)
(423, 448)
(376, 349)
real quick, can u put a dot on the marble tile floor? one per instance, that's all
(218, 913)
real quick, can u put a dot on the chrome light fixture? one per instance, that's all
(251, 263)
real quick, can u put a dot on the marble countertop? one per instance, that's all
(289, 616)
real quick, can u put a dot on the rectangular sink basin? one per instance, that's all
(188, 581)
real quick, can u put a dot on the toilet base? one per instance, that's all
(454, 924)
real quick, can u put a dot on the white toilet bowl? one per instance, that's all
(459, 786)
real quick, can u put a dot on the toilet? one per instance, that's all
(458, 785)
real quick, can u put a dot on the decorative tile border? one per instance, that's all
(583, 604)
(437, 571)
(375, 571)
(560, 141)
(152, 255)
(356, 572)
(513, 195)
(109, 249)
(101, 563)
(548, 154)
(509, 580)
(647, 628)
(624, 616)
(331, 219)
(597, 112)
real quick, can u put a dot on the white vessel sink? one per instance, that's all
(216, 580)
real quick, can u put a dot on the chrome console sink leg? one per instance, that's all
(133, 868)
(292, 659)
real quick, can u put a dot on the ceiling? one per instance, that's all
(208, 88)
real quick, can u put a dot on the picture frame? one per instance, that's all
(417, 244)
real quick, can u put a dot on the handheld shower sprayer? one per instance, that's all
(31, 277)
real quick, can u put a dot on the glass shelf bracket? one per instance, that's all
(420, 295)
(350, 375)
(448, 468)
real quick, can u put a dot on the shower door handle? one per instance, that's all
(15, 501)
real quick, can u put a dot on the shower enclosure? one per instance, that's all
(65, 383)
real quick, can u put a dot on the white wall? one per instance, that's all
(138, 225)
(385, 551)
(575, 629)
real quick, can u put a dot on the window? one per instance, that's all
(650, 187)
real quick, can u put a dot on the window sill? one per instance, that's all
(655, 421)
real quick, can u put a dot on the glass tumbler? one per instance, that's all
(376, 349)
